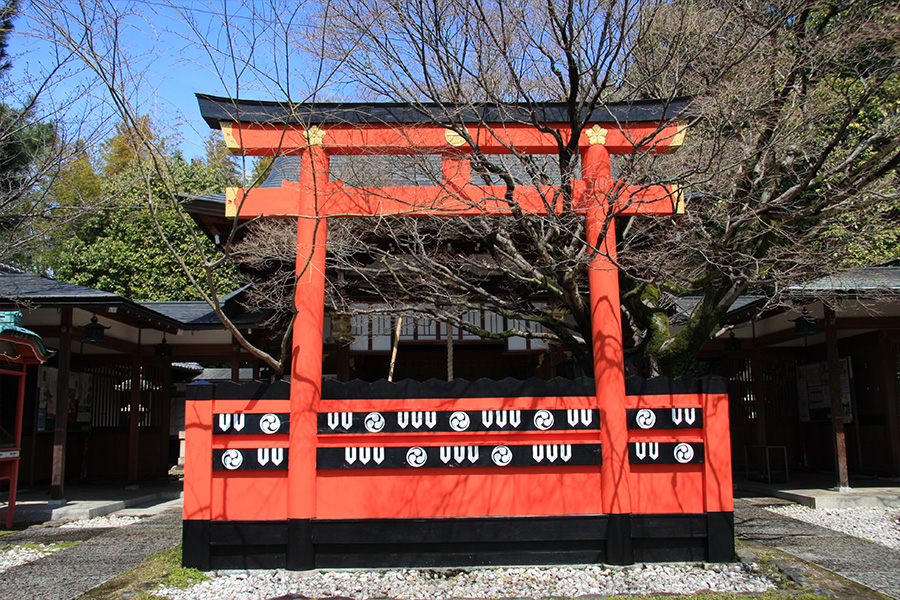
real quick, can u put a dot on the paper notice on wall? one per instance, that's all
(813, 391)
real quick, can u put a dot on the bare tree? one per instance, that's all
(243, 44)
(792, 165)
(787, 138)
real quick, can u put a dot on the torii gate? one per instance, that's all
(321, 485)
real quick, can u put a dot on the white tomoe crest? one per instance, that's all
(232, 459)
(543, 420)
(501, 455)
(645, 418)
(269, 423)
(374, 422)
(459, 421)
(684, 453)
(416, 456)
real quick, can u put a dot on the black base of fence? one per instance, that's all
(301, 544)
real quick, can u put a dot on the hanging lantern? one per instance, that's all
(163, 349)
(93, 332)
(805, 324)
(732, 344)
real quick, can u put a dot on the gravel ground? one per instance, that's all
(880, 525)
(19, 555)
(100, 522)
(437, 584)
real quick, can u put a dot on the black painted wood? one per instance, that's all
(499, 456)
(195, 543)
(458, 388)
(371, 543)
(664, 418)
(253, 459)
(720, 537)
(665, 453)
(215, 109)
(460, 421)
(251, 423)
(459, 530)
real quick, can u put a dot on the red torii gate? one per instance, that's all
(315, 132)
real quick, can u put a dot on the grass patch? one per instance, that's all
(36, 546)
(770, 595)
(161, 568)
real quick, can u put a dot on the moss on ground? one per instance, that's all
(162, 568)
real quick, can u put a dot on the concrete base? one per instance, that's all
(855, 497)
(32, 513)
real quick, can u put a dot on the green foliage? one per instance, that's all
(221, 161)
(130, 146)
(119, 248)
(7, 13)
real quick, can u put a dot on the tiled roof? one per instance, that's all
(870, 279)
(31, 287)
(39, 291)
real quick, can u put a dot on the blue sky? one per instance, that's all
(173, 49)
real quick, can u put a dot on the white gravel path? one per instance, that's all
(875, 524)
(506, 582)
(21, 554)
(107, 521)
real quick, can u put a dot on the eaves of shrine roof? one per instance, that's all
(199, 315)
(868, 282)
(216, 109)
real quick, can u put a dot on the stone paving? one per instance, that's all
(105, 553)
(867, 563)
(101, 555)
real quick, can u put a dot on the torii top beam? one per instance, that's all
(260, 128)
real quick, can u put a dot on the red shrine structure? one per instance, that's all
(312, 475)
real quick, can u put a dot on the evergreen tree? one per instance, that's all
(119, 249)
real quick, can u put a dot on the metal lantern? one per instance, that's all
(93, 332)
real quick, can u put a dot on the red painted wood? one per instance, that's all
(257, 139)
(306, 359)
(250, 496)
(719, 492)
(198, 442)
(458, 493)
(606, 339)
(334, 200)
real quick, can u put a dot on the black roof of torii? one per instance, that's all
(216, 109)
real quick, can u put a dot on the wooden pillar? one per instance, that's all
(58, 467)
(837, 406)
(134, 419)
(235, 360)
(890, 388)
(757, 384)
(164, 415)
(306, 359)
(609, 363)
(342, 358)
